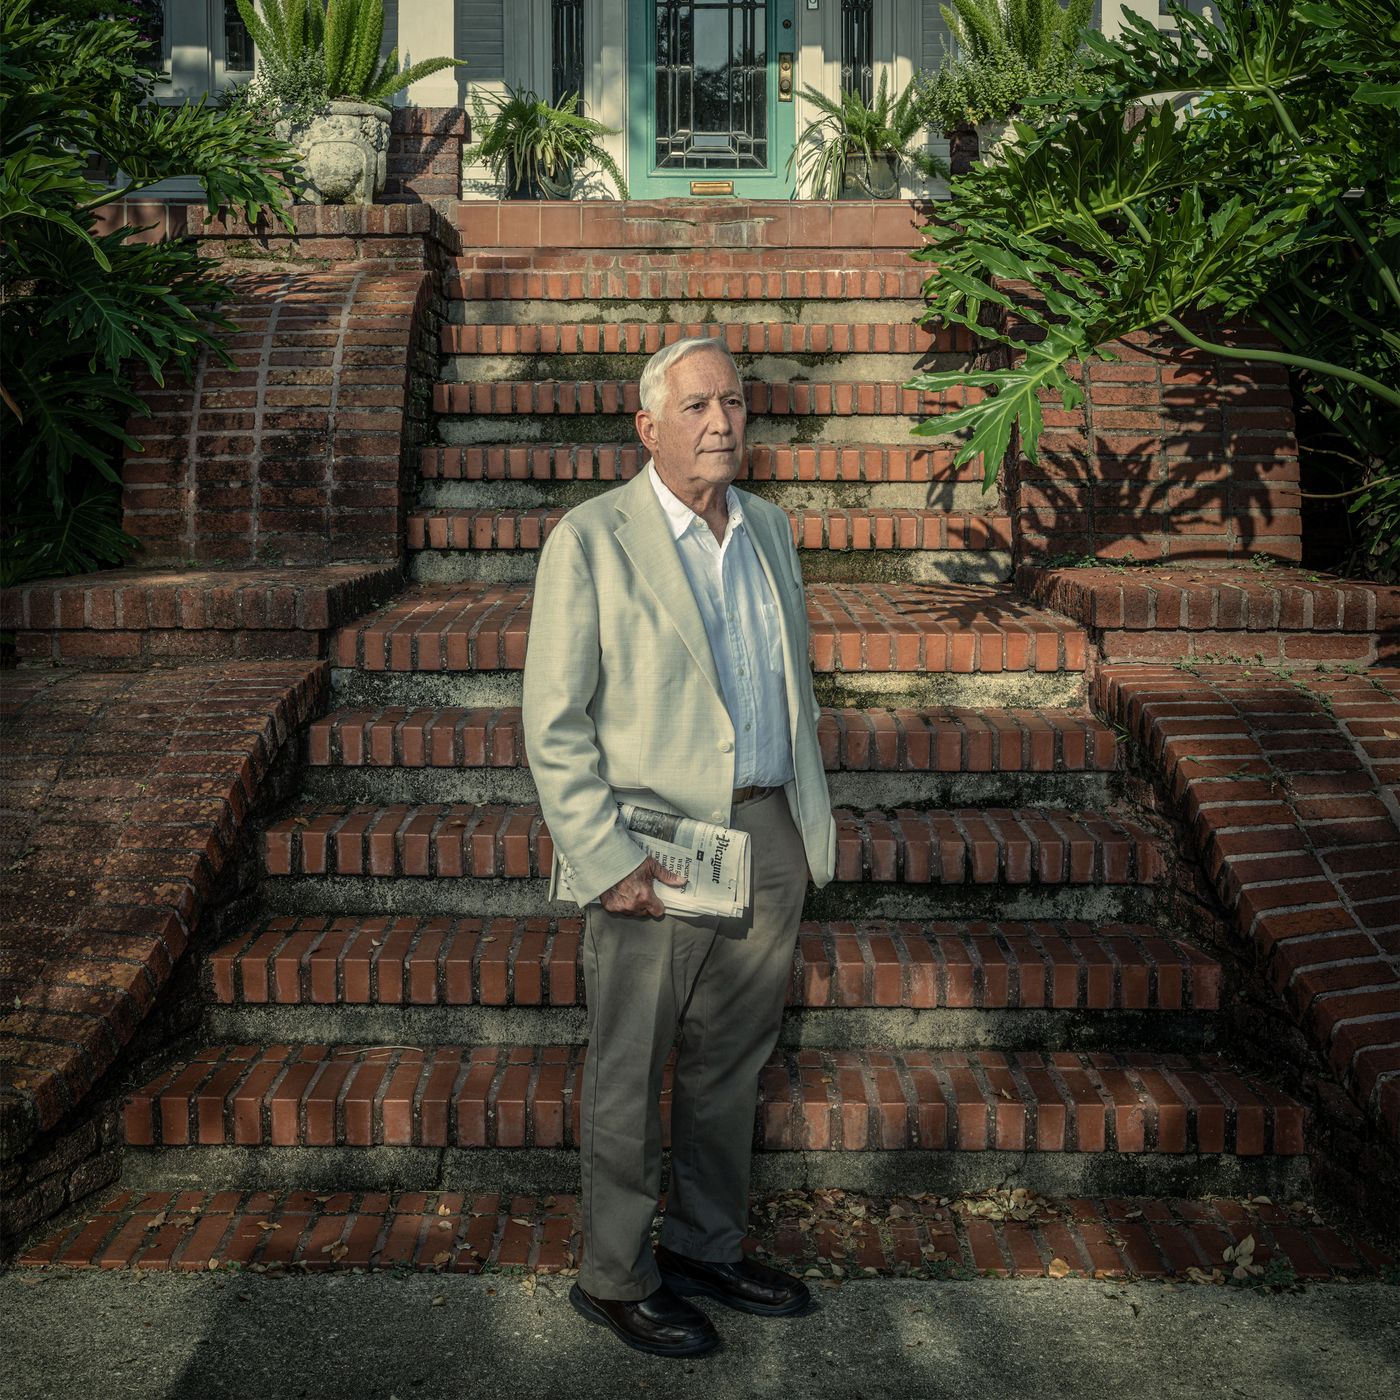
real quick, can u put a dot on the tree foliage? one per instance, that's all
(1272, 194)
(80, 307)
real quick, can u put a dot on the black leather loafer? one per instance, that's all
(660, 1323)
(749, 1286)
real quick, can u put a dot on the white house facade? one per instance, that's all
(706, 95)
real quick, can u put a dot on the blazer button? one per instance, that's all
(725, 746)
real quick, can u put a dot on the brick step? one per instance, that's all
(1008, 984)
(455, 545)
(1272, 615)
(866, 530)
(619, 396)
(865, 464)
(127, 615)
(325, 1095)
(898, 644)
(918, 1236)
(510, 842)
(697, 232)
(741, 338)
(535, 962)
(936, 756)
(877, 740)
(566, 281)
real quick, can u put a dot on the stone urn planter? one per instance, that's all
(870, 179)
(993, 138)
(345, 152)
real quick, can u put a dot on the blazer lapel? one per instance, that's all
(770, 553)
(645, 535)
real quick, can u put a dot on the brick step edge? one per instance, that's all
(867, 463)
(753, 338)
(852, 1237)
(386, 961)
(868, 528)
(1207, 600)
(950, 846)
(586, 396)
(855, 628)
(311, 598)
(737, 284)
(952, 740)
(525, 1097)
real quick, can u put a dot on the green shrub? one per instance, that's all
(81, 310)
(1008, 51)
(1274, 197)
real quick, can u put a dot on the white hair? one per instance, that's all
(654, 390)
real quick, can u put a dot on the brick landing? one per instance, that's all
(832, 1234)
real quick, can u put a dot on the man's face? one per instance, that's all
(698, 437)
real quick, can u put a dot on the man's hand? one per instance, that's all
(634, 895)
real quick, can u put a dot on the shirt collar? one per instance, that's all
(679, 516)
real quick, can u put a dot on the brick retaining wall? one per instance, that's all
(126, 798)
(1288, 788)
(1174, 455)
(305, 450)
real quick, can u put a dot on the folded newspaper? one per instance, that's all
(713, 859)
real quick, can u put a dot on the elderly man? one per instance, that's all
(667, 666)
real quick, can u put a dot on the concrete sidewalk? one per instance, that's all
(243, 1337)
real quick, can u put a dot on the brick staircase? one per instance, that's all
(993, 992)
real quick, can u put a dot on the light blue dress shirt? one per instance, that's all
(741, 621)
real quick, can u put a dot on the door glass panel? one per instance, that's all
(712, 85)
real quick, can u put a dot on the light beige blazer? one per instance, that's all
(622, 699)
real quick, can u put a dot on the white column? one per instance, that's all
(605, 73)
(1112, 21)
(426, 31)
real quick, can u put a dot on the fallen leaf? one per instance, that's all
(444, 1209)
(156, 1221)
(443, 1256)
(439, 1301)
(213, 1264)
(267, 1225)
(1057, 1268)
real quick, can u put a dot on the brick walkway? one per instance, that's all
(833, 1234)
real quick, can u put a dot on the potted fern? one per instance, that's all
(855, 151)
(321, 76)
(1006, 53)
(535, 148)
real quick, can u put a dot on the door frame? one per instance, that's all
(643, 179)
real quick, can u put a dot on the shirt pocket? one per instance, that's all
(772, 636)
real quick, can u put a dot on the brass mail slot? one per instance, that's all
(712, 187)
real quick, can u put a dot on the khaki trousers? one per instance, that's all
(638, 974)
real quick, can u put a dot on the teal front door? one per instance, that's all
(710, 97)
